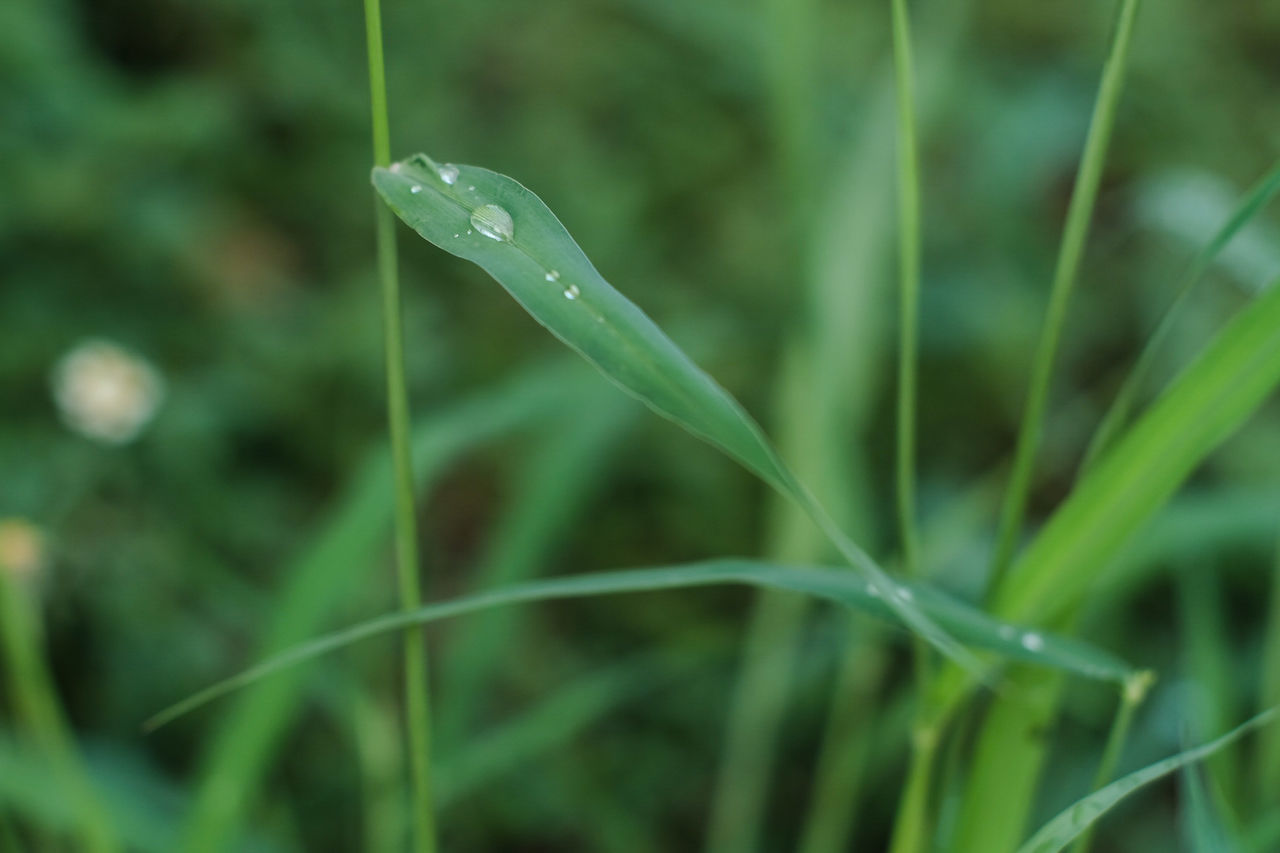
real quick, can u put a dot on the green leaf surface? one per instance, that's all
(494, 222)
(1075, 819)
(832, 584)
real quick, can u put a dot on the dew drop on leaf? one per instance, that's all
(493, 222)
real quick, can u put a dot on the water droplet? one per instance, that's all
(455, 236)
(395, 167)
(415, 189)
(1032, 642)
(472, 188)
(493, 222)
(448, 173)
(904, 593)
(553, 275)
(468, 231)
(572, 292)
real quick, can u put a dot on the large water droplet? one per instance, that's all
(493, 222)
(572, 292)
(448, 173)
(553, 275)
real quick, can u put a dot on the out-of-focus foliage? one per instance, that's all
(188, 181)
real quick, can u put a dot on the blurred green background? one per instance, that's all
(189, 180)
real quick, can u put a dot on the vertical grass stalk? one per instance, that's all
(911, 829)
(34, 703)
(908, 281)
(1074, 236)
(417, 703)
(1135, 690)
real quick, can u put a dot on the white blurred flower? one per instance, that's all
(22, 549)
(106, 392)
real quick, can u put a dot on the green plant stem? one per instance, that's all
(908, 281)
(1130, 698)
(1074, 237)
(912, 828)
(35, 705)
(417, 702)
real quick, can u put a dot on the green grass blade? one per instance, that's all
(332, 564)
(1203, 825)
(1074, 820)
(1205, 405)
(1074, 237)
(831, 584)
(908, 282)
(533, 257)
(1121, 409)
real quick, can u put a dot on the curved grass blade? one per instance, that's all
(1121, 409)
(496, 223)
(836, 585)
(1071, 822)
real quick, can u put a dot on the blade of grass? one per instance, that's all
(1204, 828)
(1201, 607)
(1135, 690)
(1204, 406)
(1074, 237)
(35, 704)
(831, 584)
(325, 572)
(532, 256)
(1121, 409)
(1075, 819)
(1212, 398)
(417, 702)
(908, 281)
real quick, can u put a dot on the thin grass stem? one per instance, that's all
(1269, 739)
(1074, 237)
(908, 281)
(1130, 698)
(35, 705)
(417, 702)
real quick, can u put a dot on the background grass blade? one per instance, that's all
(328, 569)
(1121, 408)
(533, 257)
(546, 498)
(1268, 766)
(1074, 237)
(835, 585)
(1072, 821)
(1204, 406)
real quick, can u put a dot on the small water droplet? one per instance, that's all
(553, 275)
(572, 292)
(493, 222)
(395, 167)
(905, 594)
(415, 189)
(472, 188)
(1032, 642)
(468, 230)
(455, 236)
(448, 173)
